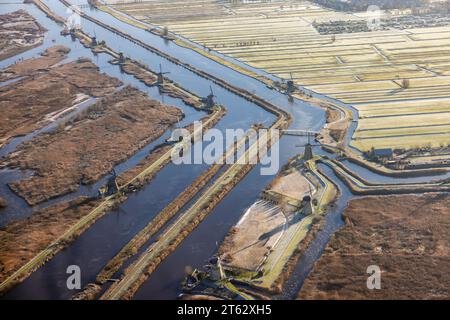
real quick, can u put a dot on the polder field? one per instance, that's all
(363, 69)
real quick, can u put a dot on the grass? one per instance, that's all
(277, 260)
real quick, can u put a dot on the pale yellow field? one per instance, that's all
(361, 69)
(410, 131)
(405, 121)
(434, 141)
(403, 107)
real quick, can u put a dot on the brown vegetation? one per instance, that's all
(31, 67)
(47, 89)
(21, 240)
(175, 92)
(145, 76)
(113, 129)
(19, 32)
(406, 236)
(88, 293)
(159, 221)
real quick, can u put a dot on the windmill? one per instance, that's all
(121, 58)
(111, 187)
(308, 154)
(209, 101)
(160, 80)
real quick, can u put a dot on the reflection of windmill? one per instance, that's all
(94, 40)
(160, 80)
(290, 87)
(113, 186)
(209, 101)
(121, 58)
(308, 155)
(162, 96)
(307, 203)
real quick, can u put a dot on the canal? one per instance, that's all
(99, 243)
(95, 247)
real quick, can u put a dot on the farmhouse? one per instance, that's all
(386, 153)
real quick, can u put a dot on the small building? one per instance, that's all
(386, 153)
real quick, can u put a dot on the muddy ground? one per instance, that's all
(292, 184)
(247, 243)
(20, 241)
(46, 89)
(83, 151)
(407, 236)
(19, 32)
